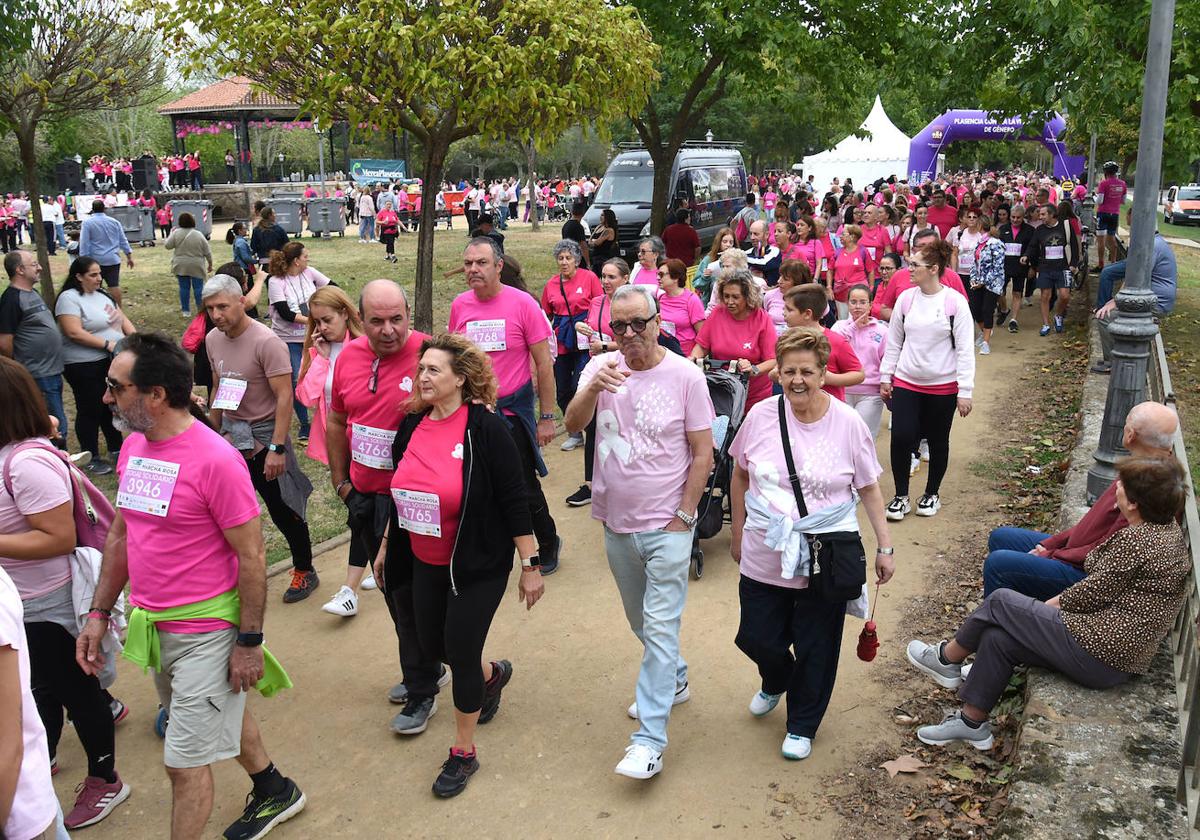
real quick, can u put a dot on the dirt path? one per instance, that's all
(548, 757)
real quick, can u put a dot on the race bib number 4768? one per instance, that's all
(488, 335)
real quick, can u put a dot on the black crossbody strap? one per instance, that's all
(791, 463)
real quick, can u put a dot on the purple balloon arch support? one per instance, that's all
(978, 125)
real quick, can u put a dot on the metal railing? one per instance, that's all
(1186, 654)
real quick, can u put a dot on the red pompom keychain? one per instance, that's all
(868, 641)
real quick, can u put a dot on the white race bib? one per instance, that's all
(669, 327)
(147, 486)
(966, 259)
(1055, 252)
(371, 447)
(229, 393)
(870, 251)
(418, 513)
(585, 341)
(488, 336)
(1012, 249)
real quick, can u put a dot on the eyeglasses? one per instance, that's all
(919, 265)
(373, 382)
(638, 324)
(115, 387)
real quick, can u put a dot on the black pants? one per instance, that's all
(51, 238)
(91, 414)
(543, 523)
(917, 417)
(589, 449)
(8, 238)
(57, 681)
(567, 367)
(290, 524)
(794, 638)
(453, 627)
(983, 306)
(472, 218)
(389, 242)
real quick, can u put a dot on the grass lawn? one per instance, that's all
(1181, 336)
(151, 299)
(1179, 231)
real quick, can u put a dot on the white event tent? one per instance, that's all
(881, 154)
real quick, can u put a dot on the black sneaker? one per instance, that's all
(99, 466)
(414, 717)
(550, 559)
(302, 585)
(581, 497)
(502, 673)
(263, 813)
(1003, 316)
(1013, 326)
(456, 772)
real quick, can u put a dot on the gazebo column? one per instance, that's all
(175, 134)
(245, 165)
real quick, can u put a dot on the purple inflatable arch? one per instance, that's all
(977, 125)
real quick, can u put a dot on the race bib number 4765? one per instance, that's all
(418, 513)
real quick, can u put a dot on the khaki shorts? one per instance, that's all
(205, 723)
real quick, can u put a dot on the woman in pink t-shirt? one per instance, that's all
(37, 535)
(787, 628)
(565, 299)
(852, 265)
(740, 330)
(596, 335)
(681, 311)
(460, 508)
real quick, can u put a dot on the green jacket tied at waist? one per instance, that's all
(142, 646)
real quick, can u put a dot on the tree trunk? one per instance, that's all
(664, 160)
(531, 162)
(25, 140)
(436, 150)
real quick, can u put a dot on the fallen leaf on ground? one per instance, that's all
(902, 764)
(962, 771)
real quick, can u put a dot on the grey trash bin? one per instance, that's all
(138, 223)
(200, 210)
(326, 215)
(288, 214)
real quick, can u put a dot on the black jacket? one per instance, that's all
(265, 240)
(495, 505)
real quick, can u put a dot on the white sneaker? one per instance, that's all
(898, 508)
(966, 669)
(928, 505)
(985, 349)
(914, 465)
(572, 442)
(1027, 301)
(368, 582)
(344, 603)
(796, 747)
(923, 448)
(682, 695)
(762, 703)
(979, 340)
(640, 762)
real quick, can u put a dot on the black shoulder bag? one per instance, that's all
(839, 562)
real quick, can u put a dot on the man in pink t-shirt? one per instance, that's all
(187, 535)
(653, 456)
(508, 325)
(373, 379)
(1111, 192)
(941, 215)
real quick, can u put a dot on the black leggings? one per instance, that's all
(290, 524)
(453, 628)
(917, 416)
(543, 523)
(389, 241)
(983, 306)
(91, 414)
(589, 449)
(58, 681)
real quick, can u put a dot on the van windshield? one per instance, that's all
(1188, 194)
(626, 187)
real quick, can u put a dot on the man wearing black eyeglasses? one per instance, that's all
(509, 325)
(252, 408)
(372, 380)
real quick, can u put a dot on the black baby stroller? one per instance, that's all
(727, 389)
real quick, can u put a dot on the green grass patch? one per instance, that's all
(151, 300)
(1181, 338)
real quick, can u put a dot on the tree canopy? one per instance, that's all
(444, 71)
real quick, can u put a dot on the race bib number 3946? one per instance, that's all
(147, 486)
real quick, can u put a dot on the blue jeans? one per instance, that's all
(1009, 565)
(296, 352)
(366, 227)
(502, 217)
(194, 284)
(60, 234)
(1110, 275)
(651, 570)
(51, 388)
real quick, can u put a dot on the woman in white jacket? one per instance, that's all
(928, 372)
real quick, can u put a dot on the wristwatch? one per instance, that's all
(545, 416)
(277, 448)
(688, 519)
(885, 551)
(531, 562)
(249, 639)
(754, 370)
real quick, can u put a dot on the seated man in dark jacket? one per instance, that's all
(1043, 565)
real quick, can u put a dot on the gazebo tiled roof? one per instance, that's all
(226, 97)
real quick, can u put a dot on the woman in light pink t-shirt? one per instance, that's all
(791, 633)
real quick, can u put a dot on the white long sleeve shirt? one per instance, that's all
(919, 350)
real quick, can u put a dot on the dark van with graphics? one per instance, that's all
(709, 178)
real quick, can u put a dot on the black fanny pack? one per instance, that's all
(839, 561)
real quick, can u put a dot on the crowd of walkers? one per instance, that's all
(824, 314)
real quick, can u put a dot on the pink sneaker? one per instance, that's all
(97, 799)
